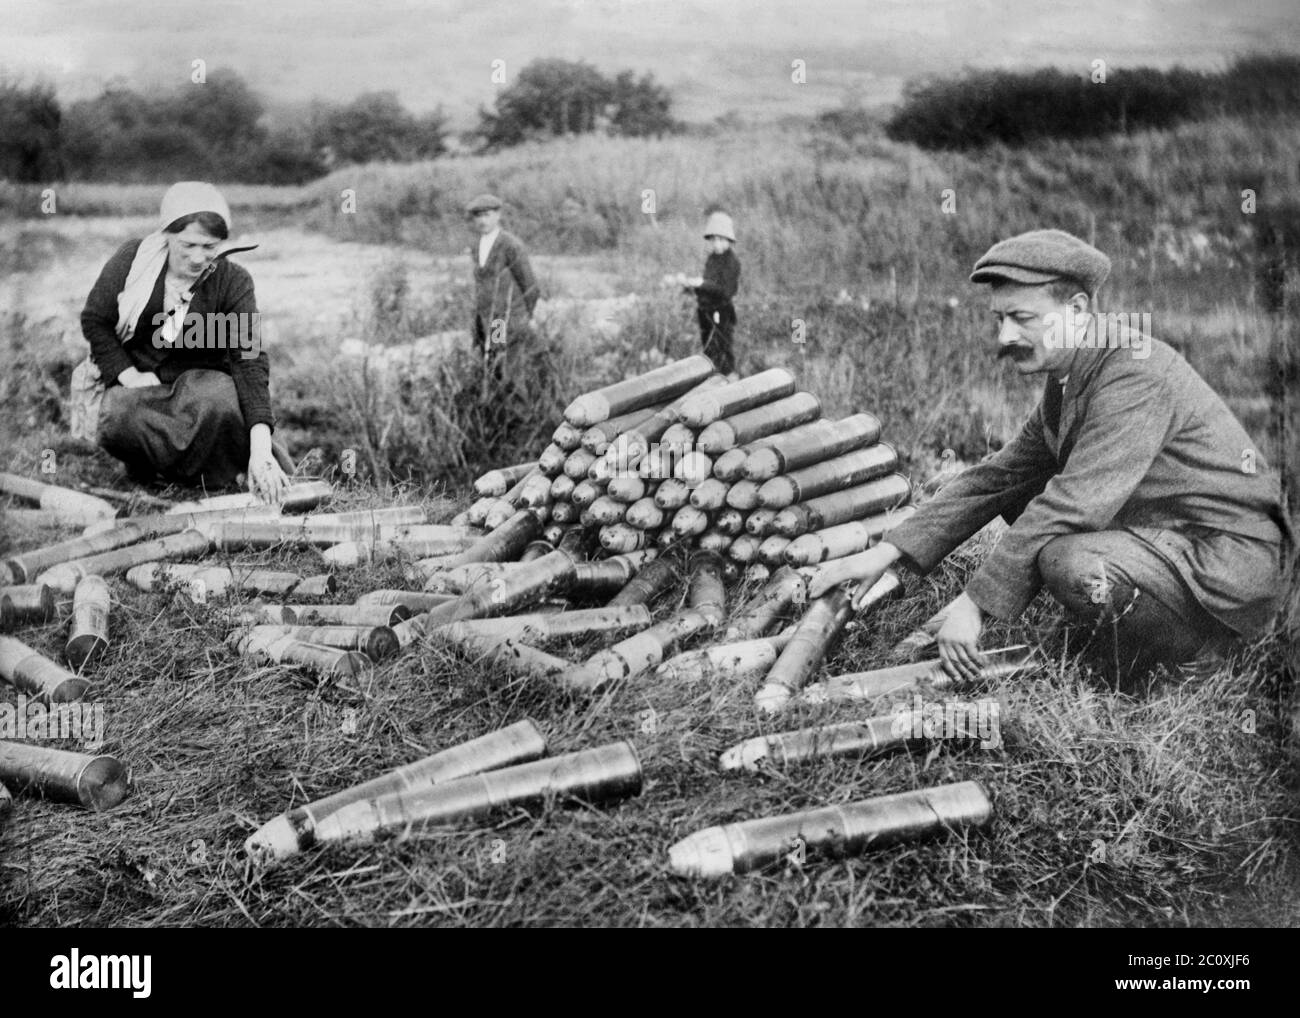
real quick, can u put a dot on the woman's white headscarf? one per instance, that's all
(183, 199)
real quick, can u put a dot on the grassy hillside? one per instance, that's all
(851, 236)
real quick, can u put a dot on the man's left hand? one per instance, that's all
(959, 638)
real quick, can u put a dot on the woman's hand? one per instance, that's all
(134, 378)
(265, 478)
(959, 638)
(867, 567)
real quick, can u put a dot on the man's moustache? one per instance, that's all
(1015, 352)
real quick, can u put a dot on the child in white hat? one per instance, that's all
(714, 291)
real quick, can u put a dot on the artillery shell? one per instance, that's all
(628, 449)
(592, 775)
(273, 644)
(477, 512)
(578, 462)
(585, 493)
(96, 782)
(498, 513)
(292, 832)
(70, 506)
(709, 493)
(689, 521)
(834, 508)
(626, 488)
(694, 468)
(567, 437)
(88, 638)
(643, 514)
(743, 495)
(34, 673)
(809, 443)
(784, 589)
(608, 576)
(352, 614)
(551, 461)
(376, 642)
(541, 627)
(730, 465)
(742, 661)
(846, 471)
(769, 419)
(619, 537)
(914, 677)
(498, 482)
(599, 437)
(564, 513)
(634, 656)
(730, 522)
(653, 579)
(414, 600)
(884, 820)
(744, 549)
(535, 549)
(714, 540)
(200, 580)
(772, 551)
(317, 585)
(562, 487)
(601, 471)
(819, 629)
(655, 386)
(32, 602)
(574, 540)
(873, 737)
(842, 539)
(745, 394)
(708, 593)
(606, 511)
(63, 578)
(26, 565)
(672, 494)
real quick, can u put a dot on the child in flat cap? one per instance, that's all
(505, 289)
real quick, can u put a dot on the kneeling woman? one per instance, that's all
(195, 412)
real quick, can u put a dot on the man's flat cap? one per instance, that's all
(1041, 256)
(483, 203)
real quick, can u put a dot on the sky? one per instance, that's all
(715, 55)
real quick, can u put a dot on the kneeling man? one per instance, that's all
(1133, 493)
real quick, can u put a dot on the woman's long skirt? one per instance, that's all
(190, 432)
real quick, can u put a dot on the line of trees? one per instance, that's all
(216, 128)
(219, 129)
(1016, 108)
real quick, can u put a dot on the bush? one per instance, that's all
(1018, 108)
(557, 97)
(30, 140)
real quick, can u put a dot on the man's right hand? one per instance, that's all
(866, 567)
(134, 378)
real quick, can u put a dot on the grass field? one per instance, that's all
(1170, 805)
